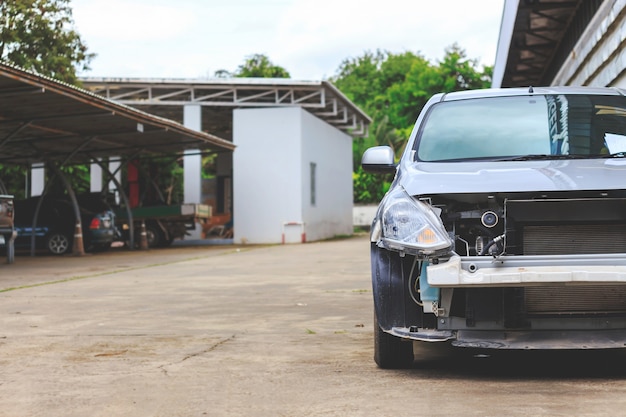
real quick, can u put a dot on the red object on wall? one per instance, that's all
(133, 184)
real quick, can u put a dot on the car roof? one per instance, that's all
(528, 91)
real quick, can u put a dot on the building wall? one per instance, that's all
(599, 58)
(331, 152)
(266, 173)
(272, 176)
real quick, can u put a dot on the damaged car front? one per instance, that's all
(505, 225)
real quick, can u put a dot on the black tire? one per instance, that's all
(391, 352)
(154, 235)
(58, 243)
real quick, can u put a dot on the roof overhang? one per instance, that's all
(42, 119)
(536, 37)
(218, 97)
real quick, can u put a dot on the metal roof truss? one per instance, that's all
(316, 98)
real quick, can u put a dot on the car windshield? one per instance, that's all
(525, 127)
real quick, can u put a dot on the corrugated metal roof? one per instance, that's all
(219, 97)
(44, 119)
(536, 36)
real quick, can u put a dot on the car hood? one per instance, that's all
(513, 176)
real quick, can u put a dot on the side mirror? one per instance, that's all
(379, 159)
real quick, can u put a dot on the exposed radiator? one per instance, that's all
(576, 299)
(574, 239)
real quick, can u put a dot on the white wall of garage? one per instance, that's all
(272, 177)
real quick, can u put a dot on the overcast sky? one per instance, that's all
(309, 38)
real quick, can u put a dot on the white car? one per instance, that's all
(505, 225)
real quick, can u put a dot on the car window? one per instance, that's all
(493, 128)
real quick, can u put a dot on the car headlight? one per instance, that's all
(411, 226)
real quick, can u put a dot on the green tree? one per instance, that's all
(369, 188)
(359, 78)
(38, 35)
(14, 178)
(260, 66)
(222, 73)
(393, 88)
(461, 73)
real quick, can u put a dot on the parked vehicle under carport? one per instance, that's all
(164, 222)
(56, 224)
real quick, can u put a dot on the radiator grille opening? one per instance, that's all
(574, 239)
(596, 299)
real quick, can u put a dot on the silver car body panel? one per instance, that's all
(517, 297)
(423, 178)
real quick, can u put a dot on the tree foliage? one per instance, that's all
(38, 35)
(14, 180)
(255, 66)
(393, 88)
(369, 188)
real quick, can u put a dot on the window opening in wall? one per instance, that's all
(313, 185)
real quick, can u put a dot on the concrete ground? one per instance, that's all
(251, 331)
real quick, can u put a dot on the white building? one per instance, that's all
(290, 177)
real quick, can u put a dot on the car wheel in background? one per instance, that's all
(58, 243)
(154, 235)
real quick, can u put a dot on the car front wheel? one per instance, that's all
(391, 352)
(58, 243)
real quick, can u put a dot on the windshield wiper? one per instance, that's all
(610, 155)
(544, 157)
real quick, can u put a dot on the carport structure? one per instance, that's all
(46, 121)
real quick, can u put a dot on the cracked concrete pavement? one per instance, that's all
(251, 331)
(178, 331)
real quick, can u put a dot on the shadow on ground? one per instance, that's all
(445, 360)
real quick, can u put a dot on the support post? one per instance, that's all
(192, 118)
(78, 247)
(143, 240)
